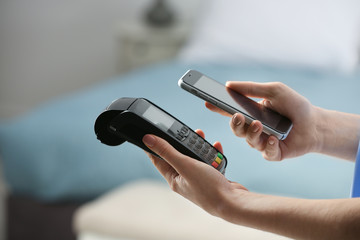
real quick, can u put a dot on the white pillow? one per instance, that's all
(312, 33)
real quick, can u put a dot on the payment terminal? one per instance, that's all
(129, 119)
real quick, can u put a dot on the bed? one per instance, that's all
(52, 154)
(52, 158)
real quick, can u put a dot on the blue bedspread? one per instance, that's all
(52, 153)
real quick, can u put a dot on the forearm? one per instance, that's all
(338, 133)
(296, 218)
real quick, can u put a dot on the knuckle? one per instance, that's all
(271, 155)
(237, 130)
(268, 157)
(250, 143)
(174, 186)
(278, 87)
(254, 140)
(251, 137)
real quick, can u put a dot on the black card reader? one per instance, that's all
(130, 119)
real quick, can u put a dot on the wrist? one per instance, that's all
(295, 218)
(321, 132)
(338, 133)
(232, 207)
(255, 210)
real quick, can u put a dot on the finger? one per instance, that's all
(267, 104)
(272, 150)
(237, 125)
(181, 163)
(253, 135)
(216, 145)
(216, 109)
(253, 89)
(219, 147)
(200, 132)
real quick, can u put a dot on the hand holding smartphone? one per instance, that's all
(232, 102)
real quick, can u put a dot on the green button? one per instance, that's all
(220, 155)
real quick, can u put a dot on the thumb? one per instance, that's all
(180, 162)
(252, 89)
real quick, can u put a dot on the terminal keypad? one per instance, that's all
(202, 148)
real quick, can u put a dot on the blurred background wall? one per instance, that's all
(49, 48)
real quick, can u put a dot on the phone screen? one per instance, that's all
(240, 103)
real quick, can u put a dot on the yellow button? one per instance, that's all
(218, 160)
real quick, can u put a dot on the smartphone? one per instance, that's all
(233, 102)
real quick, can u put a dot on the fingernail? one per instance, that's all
(271, 141)
(236, 120)
(149, 140)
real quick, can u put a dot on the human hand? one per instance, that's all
(302, 138)
(197, 181)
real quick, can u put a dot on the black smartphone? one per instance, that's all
(232, 102)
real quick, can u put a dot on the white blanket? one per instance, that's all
(151, 211)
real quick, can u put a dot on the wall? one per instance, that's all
(50, 47)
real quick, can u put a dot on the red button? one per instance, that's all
(214, 164)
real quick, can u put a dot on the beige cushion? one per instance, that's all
(150, 210)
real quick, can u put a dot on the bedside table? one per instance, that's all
(139, 44)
